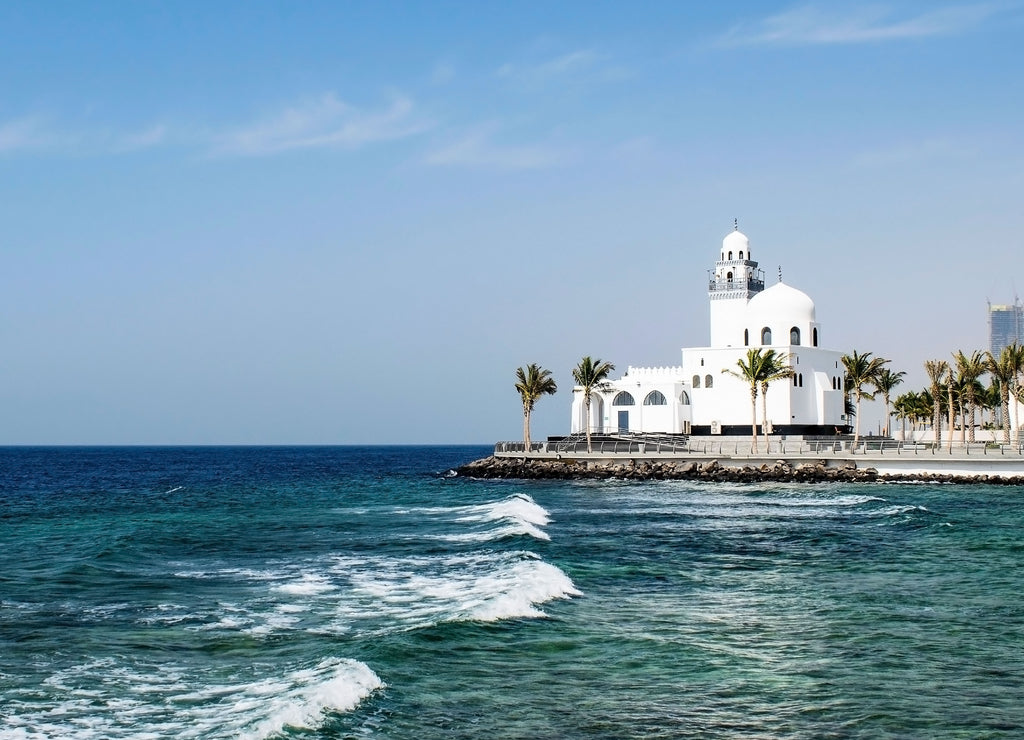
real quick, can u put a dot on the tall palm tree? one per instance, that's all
(885, 382)
(532, 382)
(903, 406)
(950, 407)
(591, 375)
(936, 369)
(861, 371)
(1004, 370)
(969, 368)
(760, 367)
(776, 367)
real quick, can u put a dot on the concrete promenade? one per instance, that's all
(888, 457)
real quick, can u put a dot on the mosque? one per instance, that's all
(697, 398)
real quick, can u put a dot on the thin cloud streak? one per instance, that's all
(478, 151)
(326, 122)
(808, 25)
(29, 134)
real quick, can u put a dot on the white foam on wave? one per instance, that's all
(520, 508)
(149, 701)
(408, 593)
(308, 585)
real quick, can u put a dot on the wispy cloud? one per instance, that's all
(30, 134)
(582, 65)
(810, 25)
(478, 150)
(135, 141)
(325, 122)
(914, 153)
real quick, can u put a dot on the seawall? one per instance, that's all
(805, 470)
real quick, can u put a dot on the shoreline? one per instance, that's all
(714, 470)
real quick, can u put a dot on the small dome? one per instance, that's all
(783, 305)
(735, 243)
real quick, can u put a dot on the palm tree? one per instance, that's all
(885, 382)
(936, 369)
(590, 375)
(760, 368)
(532, 383)
(776, 367)
(969, 368)
(903, 406)
(1004, 371)
(950, 407)
(861, 371)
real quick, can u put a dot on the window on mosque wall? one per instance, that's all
(741, 255)
(684, 398)
(696, 381)
(801, 376)
(766, 336)
(623, 399)
(794, 336)
(746, 337)
(708, 381)
(730, 255)
(728, 276)
(655, 398)
(814, 336)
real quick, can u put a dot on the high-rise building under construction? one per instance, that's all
(1005, 325)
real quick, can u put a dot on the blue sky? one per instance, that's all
(324, 222)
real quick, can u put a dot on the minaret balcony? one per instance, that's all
(752, 283)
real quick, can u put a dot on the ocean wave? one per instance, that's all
(147, 700)
(417, 592)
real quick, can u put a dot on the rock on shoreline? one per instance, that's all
(811, 471)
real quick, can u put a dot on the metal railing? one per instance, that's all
(671, 445)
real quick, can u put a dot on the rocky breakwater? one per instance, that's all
(810, 471)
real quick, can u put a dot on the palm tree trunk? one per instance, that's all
(856, 425)
(764, 418)
(526, 429)
(753, 418)
(970, 430)
(586, 404)
(952, 418)
(1004, 397)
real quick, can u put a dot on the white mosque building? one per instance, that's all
(697, 398)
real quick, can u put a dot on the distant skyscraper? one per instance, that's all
(1005, 325)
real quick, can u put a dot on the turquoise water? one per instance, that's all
(361, 592)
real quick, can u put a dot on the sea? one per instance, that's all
(370, 592)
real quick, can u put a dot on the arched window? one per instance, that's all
(684, 398)
(728, 276)
(794, 381)
(708, 381)
(741, 255)
(794, 336)
(746, 337)
(814, 336)
(730, 255)
(655, 398)
(696, 381)
(623, 399)
(766, 336)
(801, 380)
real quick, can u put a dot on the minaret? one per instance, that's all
(735, 281)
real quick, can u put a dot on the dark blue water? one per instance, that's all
(361, 592)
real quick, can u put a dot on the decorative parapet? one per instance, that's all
(661, 373)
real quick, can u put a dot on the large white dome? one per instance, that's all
(782, 305)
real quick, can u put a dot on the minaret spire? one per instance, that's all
(735, 224)
(780, 273)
